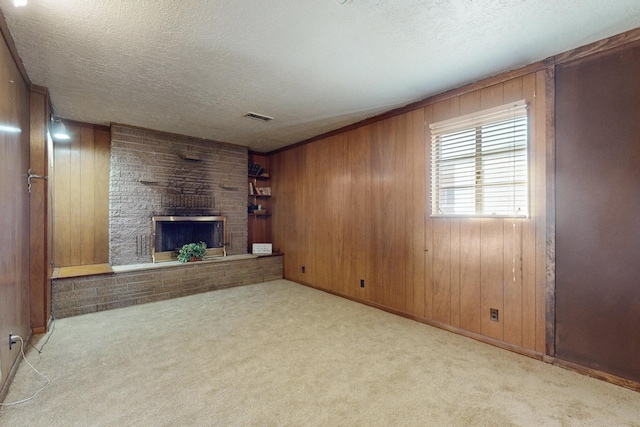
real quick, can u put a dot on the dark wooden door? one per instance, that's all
(598, 212)
(14, 208)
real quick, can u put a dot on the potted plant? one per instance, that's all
(192, 252)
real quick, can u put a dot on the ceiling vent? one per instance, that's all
(257, 116)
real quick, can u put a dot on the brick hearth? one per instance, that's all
(131, 285)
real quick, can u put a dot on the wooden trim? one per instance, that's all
(177, 135)
(81, 271)
(39, 222)
(12, 372)
(41, 90)
(6, 34)
(597, 47)
(484, 339)
(489, 81)
(458, 331)
(594, 373)
(550, 204)
(85, 125)
(472, 87)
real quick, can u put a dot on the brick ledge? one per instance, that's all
(161, 281)
(151, 266)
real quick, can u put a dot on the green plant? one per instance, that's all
(192, 250)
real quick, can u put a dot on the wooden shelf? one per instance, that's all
(259, 223)
(259, 177)
(81, 270)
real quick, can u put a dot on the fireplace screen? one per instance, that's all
(171, 232)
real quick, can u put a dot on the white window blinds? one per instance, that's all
(479, 163)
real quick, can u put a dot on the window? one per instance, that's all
(479, 164)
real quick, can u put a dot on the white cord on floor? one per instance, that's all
(37, 372)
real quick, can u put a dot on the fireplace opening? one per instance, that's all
(170, 233)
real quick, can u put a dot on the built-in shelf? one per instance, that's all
(81, 271)
(259, 195)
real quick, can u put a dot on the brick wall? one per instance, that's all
(80, 295)
(152, 170)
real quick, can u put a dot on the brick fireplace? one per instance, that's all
(159, 174)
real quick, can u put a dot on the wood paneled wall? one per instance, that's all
(81, 196)
(40, 268)
(354, 206)
(14, 209)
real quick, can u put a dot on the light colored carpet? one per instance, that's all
(281, 354)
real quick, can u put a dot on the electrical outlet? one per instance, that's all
(303, 269)
(493, 315)
(11, 340)
(362, 283)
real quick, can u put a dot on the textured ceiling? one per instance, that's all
(194, 67)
